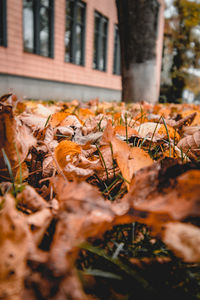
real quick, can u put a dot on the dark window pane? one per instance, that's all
(44, 31)
(38, 26)
(116, 57)
(100, 42)
(95, 51)
(78, 45)
(79, 14)
(105, 24)
(70, 8)
(2, 23)
(28, 26)
(74, 33)
(68, 40)
(44, 3)
(97, 23)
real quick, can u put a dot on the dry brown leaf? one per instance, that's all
(38, 223)
(185, 121)
(85, 139)
(13, 135)
(48, 167)
(71, 121)
(167, 192)
(196, 120)
(30, 201)
(129, 159)
(65, 131)
(65, 151)
(190, 130)
(123, 131)
(108, 133)
(8, 99)
(156, 131)
(13, 248)
(73, 172)
(36, 123)
(184, 240)
(83, 213)
(190, 145)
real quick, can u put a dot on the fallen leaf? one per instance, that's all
(30, 201)
(129, 159)
(38, 223)
(168, 191)
(156, 131)
(57, 118)
(14, 248)
(190, 145)
(123, 131)
(15, 138)
(65, 151)
(184, 240)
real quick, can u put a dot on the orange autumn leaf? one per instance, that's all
(173, 134)
(156, 130)
(129, 159)
(57, 118)
(85, 113)
(15, 138)
(121, 130)
(64, 149)
(196, 120)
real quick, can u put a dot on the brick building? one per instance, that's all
(60, 49)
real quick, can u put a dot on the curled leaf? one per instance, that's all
(65, 151)
(191, 145)
(15, 138)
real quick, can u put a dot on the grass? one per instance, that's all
(113, 262)
(103, 161)
(16, 188)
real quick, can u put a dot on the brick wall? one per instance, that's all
(13, 59)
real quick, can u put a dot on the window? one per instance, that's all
(75, 31)
(100, 42)
(116, 57)
(38, 26)
(3, 33)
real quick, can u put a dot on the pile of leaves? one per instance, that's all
(99, 200)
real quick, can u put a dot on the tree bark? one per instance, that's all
(138, 29)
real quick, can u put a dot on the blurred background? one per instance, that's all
(69, 49)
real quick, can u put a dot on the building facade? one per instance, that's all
(64, 49)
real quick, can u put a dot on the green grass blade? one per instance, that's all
(8, 165)
(100, 154)
(47, 121)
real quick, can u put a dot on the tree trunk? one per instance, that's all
(138, 29)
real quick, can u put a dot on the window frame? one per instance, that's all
(116, 52)
(73, 42)
(3, 33)
(100, 36)
(36, 5)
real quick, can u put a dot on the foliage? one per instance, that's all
(182, 34)
(106, 191)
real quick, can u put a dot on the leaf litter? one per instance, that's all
(99, 195)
